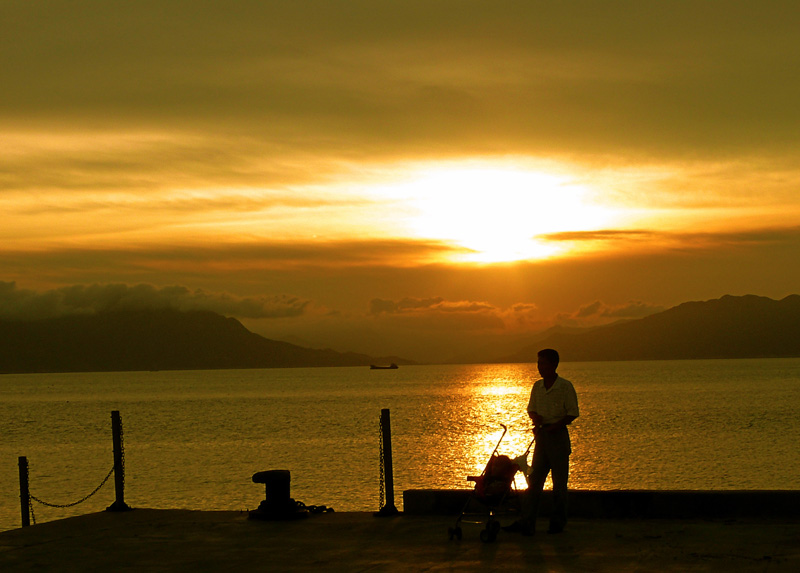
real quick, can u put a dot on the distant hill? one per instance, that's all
(152, 340)
(498, 344)
(729, 327)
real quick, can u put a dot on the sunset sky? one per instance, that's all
(411, 178)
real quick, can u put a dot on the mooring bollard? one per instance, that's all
(119, 464)
(387, 477)
(24, 492)
(278, 504)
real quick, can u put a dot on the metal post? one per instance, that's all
(119, 464)
(386, 435)
(24, 492)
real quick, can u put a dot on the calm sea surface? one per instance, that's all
(193, 439)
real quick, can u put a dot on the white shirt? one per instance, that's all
(553, 404)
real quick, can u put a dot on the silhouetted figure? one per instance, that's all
(553, 405)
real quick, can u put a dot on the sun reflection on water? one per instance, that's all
(496, 396)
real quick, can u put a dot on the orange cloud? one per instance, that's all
(438, 313)
(24, 304)
(598, 312)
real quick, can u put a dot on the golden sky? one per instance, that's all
(417, 178)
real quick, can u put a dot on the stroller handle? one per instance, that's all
(533, 441)
(505, 431)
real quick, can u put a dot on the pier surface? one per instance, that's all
(179, 540)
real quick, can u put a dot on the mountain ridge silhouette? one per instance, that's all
(748, 326)
(163, 339)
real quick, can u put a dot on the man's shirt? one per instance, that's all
(553, 404)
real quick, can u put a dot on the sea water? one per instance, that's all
(193, 439)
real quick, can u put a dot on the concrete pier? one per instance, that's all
(175, 540)
(178, 540)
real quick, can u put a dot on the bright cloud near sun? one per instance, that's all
(497, 213)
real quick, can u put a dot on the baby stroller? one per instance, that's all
(490, 497)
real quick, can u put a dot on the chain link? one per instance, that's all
(121, 452)
(382, 487)
(30, 500)
(74, 503)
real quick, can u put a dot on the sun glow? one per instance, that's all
(499, 214)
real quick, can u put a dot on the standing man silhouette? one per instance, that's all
(552, 407)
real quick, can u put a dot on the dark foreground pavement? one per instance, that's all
(177, 540)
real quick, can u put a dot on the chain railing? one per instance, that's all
(118, 469)
(119, 464)
(381, 472)
(66, 505)
(385, 495)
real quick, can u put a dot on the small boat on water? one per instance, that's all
(391, 366)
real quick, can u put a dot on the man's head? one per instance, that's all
(548, 362)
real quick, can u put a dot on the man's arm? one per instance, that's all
(562, 423)
(537, 421)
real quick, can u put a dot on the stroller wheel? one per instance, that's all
(454, 532)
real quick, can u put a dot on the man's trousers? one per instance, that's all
(550, 454)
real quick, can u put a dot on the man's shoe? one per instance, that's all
(519, 527)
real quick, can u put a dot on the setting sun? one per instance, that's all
(499, 214)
